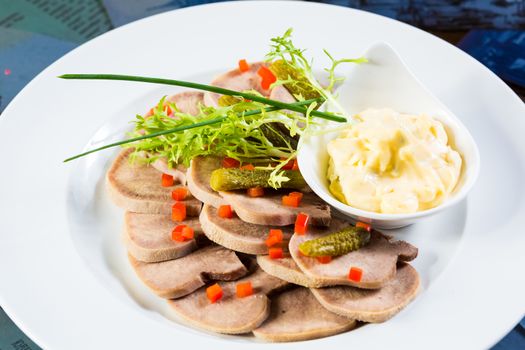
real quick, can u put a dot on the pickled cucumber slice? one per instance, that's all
(338, 243)
(228, 179)
(227, 100)
(301, 86)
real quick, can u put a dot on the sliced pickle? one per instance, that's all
(228, 179)
(300, 87)
(338, 243)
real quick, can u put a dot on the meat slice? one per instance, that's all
(286, 269)
(177, 278)
(148, 237)
(280, 93)
(178, 172)
(231, 314)
(269, 210)
(372, 305)
(236, 234)
(296, 315)
(187, 102)
(377, 260)
(137, 187)
(198, 179)
(238, 81)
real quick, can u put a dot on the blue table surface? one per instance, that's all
(34, 33)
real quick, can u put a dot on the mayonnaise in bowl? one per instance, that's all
(390, 162)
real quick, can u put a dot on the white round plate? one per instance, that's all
(64, 276)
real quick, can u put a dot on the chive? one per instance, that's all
(187, 127)
(216, 89)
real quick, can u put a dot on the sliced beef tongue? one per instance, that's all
(148, 237)
(180, 277)
(372, 305)
(367, 305)
(231, 314)
(238, 81)
(236, 234)
(187, 101)
(377, 260)
(270, 210)
(286, 269)
(178, 172)
(296, 315)
(137, 187)
(199, 175)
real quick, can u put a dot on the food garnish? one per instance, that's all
(167, 180)
(228, 179)
(301, 223)
(364, 225)
(274, 237)
(179, 194)
(355, 274)
(338, 243)
(249, 126)
(225, 211)
(255, 191)
(243, 65)
(268, 78)
(324, 259)
(228, 162)
(214, 293)
(293, 199)
(275, 253)
(177, 235)
(178, 211)
(244, 289)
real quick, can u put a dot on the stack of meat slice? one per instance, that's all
(294, 297)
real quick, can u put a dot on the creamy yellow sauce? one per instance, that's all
(389, 162)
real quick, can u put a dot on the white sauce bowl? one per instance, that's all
(386, 82)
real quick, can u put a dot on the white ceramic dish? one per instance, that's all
(64, 276)
(386, 82)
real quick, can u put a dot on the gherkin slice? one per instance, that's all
(338, 243)
(301, 85)
(228, 179)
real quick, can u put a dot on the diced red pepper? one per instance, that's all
(255, 192)
(228, 162)
(268, 78)
(225, 212)
(288, 165)
(176, 234)
(244, 289)
(364, 225)
(355, 274)
(179, 194)
(178, 211)
(277, 233)
(248, 166)
(167, 180)
(187, 233)
(296, 194)
(295, 165)
(274, 237)
(291, 201)
(167, 109)
(301, 223)
(275, 253)
(243, 66)
(324, 259)
(271, 241)
(214, 293)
